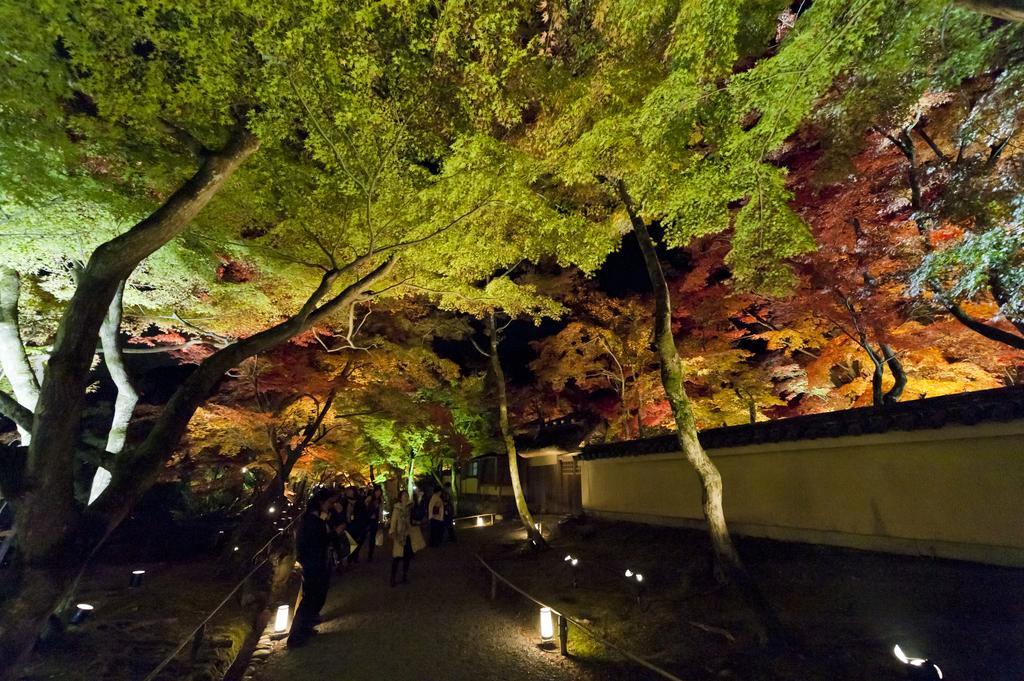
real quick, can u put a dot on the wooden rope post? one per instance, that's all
(563, 634)
(197, 644)
(580, 625)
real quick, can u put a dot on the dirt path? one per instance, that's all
(438, 626)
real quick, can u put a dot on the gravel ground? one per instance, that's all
(440, 625)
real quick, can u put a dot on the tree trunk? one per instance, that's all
(506, 436)
(455, 488)
(729, 567)
(898, 374)
(13, 358)
(49, 527)
(136, 469)
(22, 617)
(1010, 10)
(986, 330)
(410, 480)
(877, 395)
(127, 397)
(46, 512)
(639, 404)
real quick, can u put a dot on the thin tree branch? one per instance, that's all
(931, 144)
(986, 330)
(13, 410)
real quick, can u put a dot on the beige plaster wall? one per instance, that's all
(954, 492)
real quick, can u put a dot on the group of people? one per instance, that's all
(339, 522)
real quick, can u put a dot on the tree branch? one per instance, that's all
(931, 144)
(13, 358)
(13, 410)
(135, 471)
(986, 330)
(899, 375)
(62, 394)
(127, 397)
(1010, 10)
(440, 230)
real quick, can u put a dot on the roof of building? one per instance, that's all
(565, 435)
(1000, 404)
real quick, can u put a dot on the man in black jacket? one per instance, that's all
(311, 544)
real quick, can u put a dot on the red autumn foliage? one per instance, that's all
(234, 271)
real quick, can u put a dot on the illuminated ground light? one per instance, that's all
(82, 611)
(920, 669)
(637, 582)
(136, 578)
(547, 625)
(572, 561)
(281, 621)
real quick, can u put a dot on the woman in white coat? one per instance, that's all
(401, 531)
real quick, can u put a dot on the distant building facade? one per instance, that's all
(548, 468)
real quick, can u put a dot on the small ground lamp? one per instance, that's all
(272, 510)
(918, 669)
(637, 581)
(82, 611)
(281, 621)
(547, 625)
(572, 561)
(136, 578)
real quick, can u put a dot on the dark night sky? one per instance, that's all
(622, 274)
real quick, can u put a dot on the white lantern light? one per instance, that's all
(281, 619)
(629, 574)
(136, 579)
(547, 625)
(639, 577)
(245, 469)
(82, 611)
(915, 661)
(574, 561)
(272, 510)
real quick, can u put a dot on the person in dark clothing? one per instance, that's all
(435, 513)
(337, 523)
(374, 509)
(311, 544)
(449, 512)
(357, 523)
(418, 508)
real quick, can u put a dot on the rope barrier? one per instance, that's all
(585, 629)
(191, 637)
(478, 516)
